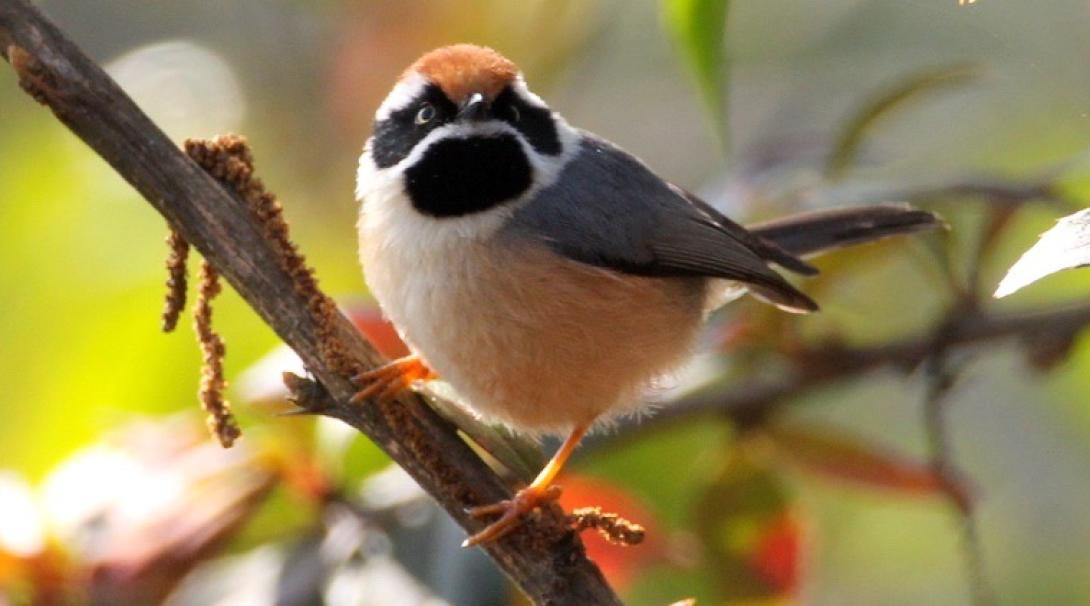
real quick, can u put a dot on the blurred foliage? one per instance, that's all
(847, 458)
(699, 27)
(907, 89)
(750, 538)
(831, 500)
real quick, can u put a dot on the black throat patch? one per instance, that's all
(464, 175)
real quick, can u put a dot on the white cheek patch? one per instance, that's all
(548, 167)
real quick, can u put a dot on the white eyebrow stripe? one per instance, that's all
(403, 93)
(524, 92)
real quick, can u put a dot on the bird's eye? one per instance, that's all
(515, 115)
(425, 114)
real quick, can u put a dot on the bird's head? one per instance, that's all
(461, 133)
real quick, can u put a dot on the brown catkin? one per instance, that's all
(611, 526)
(220, 420)
(228, 158)
(176, 280)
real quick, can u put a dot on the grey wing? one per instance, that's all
(609, 210)
(766, 248)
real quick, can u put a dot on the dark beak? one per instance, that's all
(474, 108)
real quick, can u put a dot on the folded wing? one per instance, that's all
(609, 210)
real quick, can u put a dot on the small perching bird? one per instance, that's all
(545, 274)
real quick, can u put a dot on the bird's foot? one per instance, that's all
(510, 512)
(388, 380)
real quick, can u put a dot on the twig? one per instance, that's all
(545, 559)
(752, 402)
(940, 380)
(996, 192)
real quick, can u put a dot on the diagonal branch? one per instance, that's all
(546, 559)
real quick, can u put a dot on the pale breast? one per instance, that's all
(525, 336)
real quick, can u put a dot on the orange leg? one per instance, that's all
(539, 492)
(388, 380)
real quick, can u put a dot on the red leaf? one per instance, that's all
(778, 554)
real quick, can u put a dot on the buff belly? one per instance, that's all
(526, 337)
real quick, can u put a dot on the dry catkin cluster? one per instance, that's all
(176, 280)
(220, 420)
(228, 159)
(611, 526)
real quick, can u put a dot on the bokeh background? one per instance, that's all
(111, 492)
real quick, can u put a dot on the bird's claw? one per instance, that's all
(510, 512)
(388, 380)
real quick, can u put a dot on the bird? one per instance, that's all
(548, 276)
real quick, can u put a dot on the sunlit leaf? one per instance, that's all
(912, 88)
(699, 30)
(846, 457)
(1065, 246)
(751, 536)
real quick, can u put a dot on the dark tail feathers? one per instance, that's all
(816, 232)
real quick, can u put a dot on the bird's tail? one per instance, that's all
(812, 233)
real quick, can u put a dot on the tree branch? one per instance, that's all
(751, 402)
(545, 559)
(941, 378)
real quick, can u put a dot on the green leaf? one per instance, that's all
(699, 30)
(884, 104)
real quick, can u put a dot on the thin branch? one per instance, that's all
(545, 559)
(994, 191)
(751, 402)
(940, 380)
